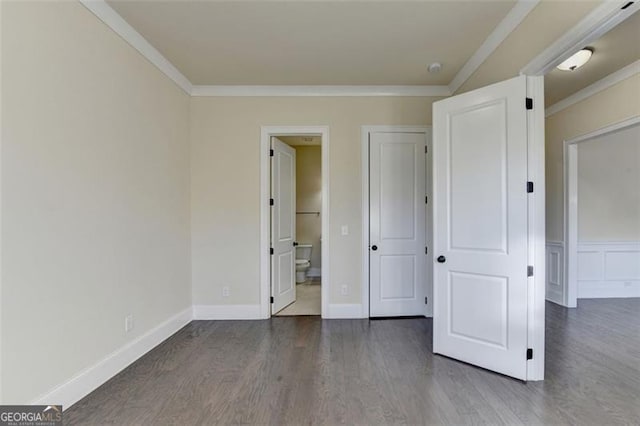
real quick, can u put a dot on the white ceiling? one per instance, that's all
(614, 50)
(301, 140)
(315, 43)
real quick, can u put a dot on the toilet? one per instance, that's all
(303, 262)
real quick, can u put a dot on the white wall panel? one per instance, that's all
(608, 269)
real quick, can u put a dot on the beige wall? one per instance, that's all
(609, 187)
(309, 198)
(95, 195)
(615, 104)
(225, 141)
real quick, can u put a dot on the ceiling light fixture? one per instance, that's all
(576, 60)
(435, 67)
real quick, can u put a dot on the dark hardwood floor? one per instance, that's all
(302, 370)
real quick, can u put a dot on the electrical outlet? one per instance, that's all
(345, 230)
(344, 290)
(128, 323)
(225, 291)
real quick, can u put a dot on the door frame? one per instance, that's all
(570, 162)
(537, 234)
(364, 135)
(266, 132)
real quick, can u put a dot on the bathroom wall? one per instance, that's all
(309, 199)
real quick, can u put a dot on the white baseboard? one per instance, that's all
(89, 379)
(313, 272)
(608, 269)
(226, 312)
(345, 311)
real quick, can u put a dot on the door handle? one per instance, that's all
(374, 247)
(295, 243)
(441, 259)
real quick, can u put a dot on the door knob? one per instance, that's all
(374, 247)
(295, 243)
(441, 259)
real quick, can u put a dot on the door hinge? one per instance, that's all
(529, 271)
(271, 251)
(270, 153)
(271, 299)
(426, 300)
(529, 103)
(529, 187)
(426, 200)
(426, 149)
(626, 5)
(271, 201)
(426, 250)
(529, 353)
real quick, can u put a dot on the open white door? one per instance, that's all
(397, 213)
(480, 227)
(283, 225)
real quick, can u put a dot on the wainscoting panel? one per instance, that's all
(555, 272)
(608, 269)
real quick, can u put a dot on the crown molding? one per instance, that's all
(595, 24)
(600, 85)
(515, 16)
(320, 91)
(113, 20)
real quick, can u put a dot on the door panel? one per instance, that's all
(283, 225)
(484, 226)
(480, 227)
(397, 224)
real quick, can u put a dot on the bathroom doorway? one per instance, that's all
(297, 200)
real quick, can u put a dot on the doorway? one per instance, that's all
(603, 250)
(294, 266)
(306, 190)
(396, 165)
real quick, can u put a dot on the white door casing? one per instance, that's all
(283, 225)
(480, 227)
(397, 218)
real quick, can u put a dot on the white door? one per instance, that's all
(397, 220)
(283, 225)
(480, 227)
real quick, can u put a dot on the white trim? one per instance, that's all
(537, 232)
(594, 25)
(265, 211)
(113, 20)
(226, 312)
(364, 138)
(555, 272)
(616, 243)
(570, 168)
(320, 91)
(89, 379)
(345, 311)
(611, 271)
(515, 16)
(600, 85)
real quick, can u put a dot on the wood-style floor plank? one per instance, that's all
(304, 370)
